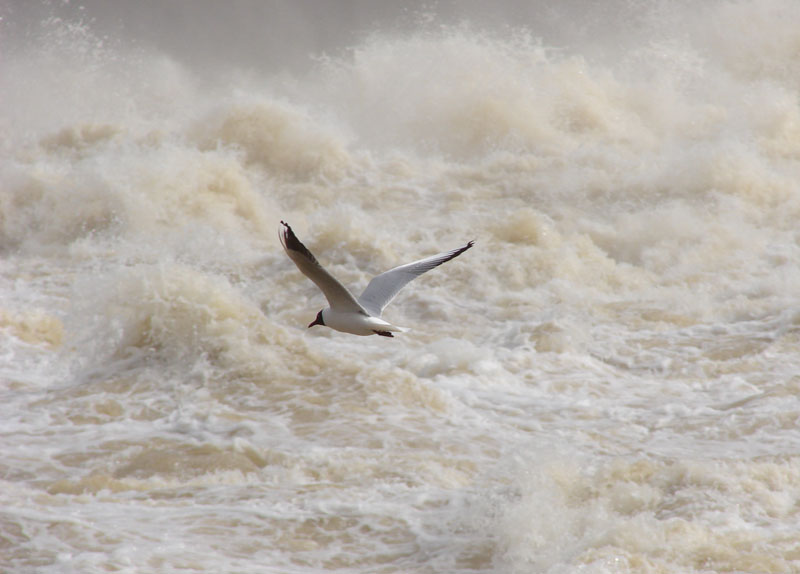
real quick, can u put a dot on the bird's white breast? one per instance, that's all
(355, 323)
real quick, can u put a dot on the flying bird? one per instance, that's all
(362, 315)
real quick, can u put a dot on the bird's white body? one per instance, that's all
(362, 315)
(357, 323)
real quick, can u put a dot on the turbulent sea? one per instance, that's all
(606, 383)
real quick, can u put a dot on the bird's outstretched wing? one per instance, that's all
(383, 288)
(339, 298)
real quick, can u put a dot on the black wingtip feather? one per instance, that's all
(453, 254)
(458, 252)
(292, 243)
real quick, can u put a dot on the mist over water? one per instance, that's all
(606, 382)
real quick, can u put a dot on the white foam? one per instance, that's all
(612, 389)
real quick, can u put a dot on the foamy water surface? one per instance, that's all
(607, 382)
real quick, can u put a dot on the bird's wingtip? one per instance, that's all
(292, 244)
(286, 235)
(282, 233)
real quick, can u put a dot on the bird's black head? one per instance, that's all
(317, 321)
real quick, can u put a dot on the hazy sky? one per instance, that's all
(283, 34)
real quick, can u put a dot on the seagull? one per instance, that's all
(362, 315)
